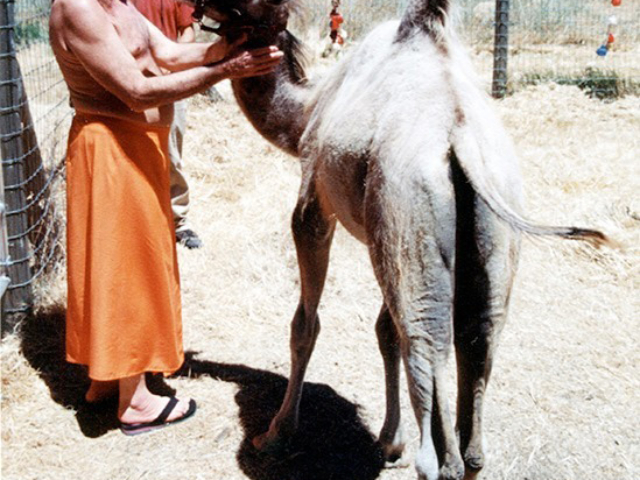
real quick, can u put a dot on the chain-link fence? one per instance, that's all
(34, 118)
(589, 43)
(548, 40)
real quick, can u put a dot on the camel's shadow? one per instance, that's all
(331, 443)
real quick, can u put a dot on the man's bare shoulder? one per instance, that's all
(77, 15)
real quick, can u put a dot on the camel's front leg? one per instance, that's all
(312, 231)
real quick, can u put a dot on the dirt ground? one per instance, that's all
(562, 403)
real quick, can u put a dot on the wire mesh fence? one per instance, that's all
(548, 40)
(589, 43)
(34, 119)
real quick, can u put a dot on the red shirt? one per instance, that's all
(169, 16)
(336, 20)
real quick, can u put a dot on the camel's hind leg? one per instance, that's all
(391, 435)
(312, 232)
(413, 261)
(425, 331)
(486, 257)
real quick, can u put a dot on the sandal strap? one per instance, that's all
(162, 418)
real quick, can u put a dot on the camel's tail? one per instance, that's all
(478, 138)
(474, 153)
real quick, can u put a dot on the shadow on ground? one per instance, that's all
(43, 345)
(331, 442)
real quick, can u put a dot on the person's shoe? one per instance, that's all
(160, 421)
(189, 239)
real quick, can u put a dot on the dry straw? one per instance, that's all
(563, 399)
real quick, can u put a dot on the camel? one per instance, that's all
(400, 145)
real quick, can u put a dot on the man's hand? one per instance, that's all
(223, 49)
(251, 63)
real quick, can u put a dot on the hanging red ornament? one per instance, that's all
(616, 3)
(611, 38)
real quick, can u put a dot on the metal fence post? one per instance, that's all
(18, 298)
(500, 49)
(4, 252)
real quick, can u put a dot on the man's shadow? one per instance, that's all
(43, 345)
(331, 442)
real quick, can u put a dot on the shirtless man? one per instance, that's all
(112, 58)
(124, 311)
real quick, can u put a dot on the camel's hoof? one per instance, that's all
(398, 462)
(270, 444)
(474, 462)
(262, 442)
(392, 455)
(452, 472)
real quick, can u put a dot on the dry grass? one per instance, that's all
(563, 399)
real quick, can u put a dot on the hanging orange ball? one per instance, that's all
(616, 3)
(611, 38)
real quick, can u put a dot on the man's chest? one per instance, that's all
(131, 28)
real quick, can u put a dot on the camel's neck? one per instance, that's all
(275, 103)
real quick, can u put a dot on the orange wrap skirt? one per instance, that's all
(124, 312)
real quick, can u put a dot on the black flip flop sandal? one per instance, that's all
(160, 421)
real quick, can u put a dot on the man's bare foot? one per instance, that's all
(100, 391)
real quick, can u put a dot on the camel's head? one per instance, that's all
(261, 20)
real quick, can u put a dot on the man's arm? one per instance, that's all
(181, 55)
(187, 34)
(89, 34)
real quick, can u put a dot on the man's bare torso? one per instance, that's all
(88, 95)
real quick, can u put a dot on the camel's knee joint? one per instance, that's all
(308, 222)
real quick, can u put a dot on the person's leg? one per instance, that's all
(100, 391)
(179, 185)
(138, 405)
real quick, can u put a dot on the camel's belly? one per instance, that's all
(342, 184)
(351, 225)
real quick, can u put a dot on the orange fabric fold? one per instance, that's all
(124, 309)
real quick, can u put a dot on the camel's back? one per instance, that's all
(387, 102)
(384, 91)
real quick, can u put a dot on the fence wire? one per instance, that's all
(34, 121)
(589, 43)
(549, 40)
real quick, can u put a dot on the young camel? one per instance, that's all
(400, 145)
